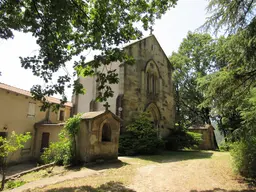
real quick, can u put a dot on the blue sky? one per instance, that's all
(188, 15)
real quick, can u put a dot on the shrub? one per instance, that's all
(244, 156)
(140, 137)
(180, 139)
(225, 146)
(59, 152)
(14, 184)
(64, 151)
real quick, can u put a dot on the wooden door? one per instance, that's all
(45, 141)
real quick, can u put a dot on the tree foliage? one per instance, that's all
(180, 139)
(65, 29)
(194, 59)
(230, 91)
(244, 156)
(229, 16)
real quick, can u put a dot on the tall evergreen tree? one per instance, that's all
(231, 90)
(227, 89)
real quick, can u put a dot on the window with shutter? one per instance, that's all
(61, 115)
(31, 109)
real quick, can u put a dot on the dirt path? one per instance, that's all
(191, 176)
(172, 173)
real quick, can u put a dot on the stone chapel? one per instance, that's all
(145, 86)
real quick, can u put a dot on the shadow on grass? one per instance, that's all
(107, 165)
(99, 166)
(110, 187)
(173, 156)
(224, 190)
(17, 168)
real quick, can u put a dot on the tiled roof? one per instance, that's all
(94, 114)
(91, 115)
(206, 126)
(28, 94)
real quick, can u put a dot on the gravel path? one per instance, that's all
(201, 175)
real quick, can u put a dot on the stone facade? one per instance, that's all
(145, 86)
(98, 136)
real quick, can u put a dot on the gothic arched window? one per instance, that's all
(152, 78)
(106, 133)
(148, 82)
(153, 84)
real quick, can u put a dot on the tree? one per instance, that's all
(194, 59)
(227, 89)
(229, 16)
(231, 90)
(67, 28)
(8, 146)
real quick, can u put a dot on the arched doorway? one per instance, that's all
(154, 115)
(106, 133)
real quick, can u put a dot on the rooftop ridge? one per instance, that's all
(28, 93)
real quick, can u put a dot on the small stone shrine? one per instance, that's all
(98, 136)
(209, 141)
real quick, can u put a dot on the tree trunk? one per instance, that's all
(177, 107)
(3, 174)
(74, 150)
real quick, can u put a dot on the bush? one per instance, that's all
(14, 184)
(59, 152)
(225, 146)
(244, 156)
(180, 139)
(140, 138)
(64, 151)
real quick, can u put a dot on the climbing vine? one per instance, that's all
(72, 126)
(64, 151)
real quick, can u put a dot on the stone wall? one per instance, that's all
(132, 84)
(209, 142)
(89, 143)
(136, 98)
